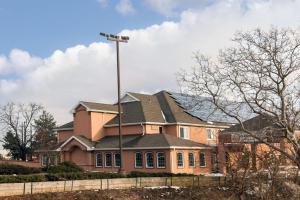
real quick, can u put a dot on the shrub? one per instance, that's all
(161, 174)
(64, 167)
(22, 178)
(8, 169)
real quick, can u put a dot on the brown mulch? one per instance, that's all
(134, 194)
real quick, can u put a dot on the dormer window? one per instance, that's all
(184, 132)
(211, 133)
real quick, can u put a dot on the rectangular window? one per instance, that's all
(99, 160)
(161, 160)
(202, 159)
(117, 160)
(210, 133)
(184, 132)
(149, 160)
(138, 160)
(191, 160)
(45, 160)
(179, 159)
(108, 160)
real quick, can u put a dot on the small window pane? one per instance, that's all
(117, 160)
(210, 133)
(138, 159)
(161, 161)
(184, 133)
(191, 160)
(99, 161)
(202, 160)
(179, 159)
(108, 160)
(44, 160)
(150, 160)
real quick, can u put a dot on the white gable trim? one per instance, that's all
(130, 99)
(75, 138)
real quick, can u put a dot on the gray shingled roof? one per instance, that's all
(100, 106)
(68, 125)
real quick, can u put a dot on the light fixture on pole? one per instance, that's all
(118, 39)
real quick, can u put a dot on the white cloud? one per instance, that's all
(125, 7)
(103, 3)
(148, 62)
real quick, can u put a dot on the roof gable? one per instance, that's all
(96, 107)
(128, 98)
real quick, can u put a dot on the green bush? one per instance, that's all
(22, 178)
(64, 167)
(134, 174)
(8, 169)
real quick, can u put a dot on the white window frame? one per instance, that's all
(194, 163)
(209, 133)
(157, 160)
(105, 159)
(135, 159)
(182, 159)
(101, 160)
(115, 159)
(187, 132)
(146, 159)
(204, 159)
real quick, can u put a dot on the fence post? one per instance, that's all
(171, 181)
(64, 186)
(101, 183)
(193, 181)
(198, 181)
(140, 181)
(136, 182)
(107, 183)
(31, 188)
(72, 186)
(24, 188)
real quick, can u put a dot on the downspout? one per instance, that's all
(143, 129)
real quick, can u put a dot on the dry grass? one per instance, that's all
(135, 194)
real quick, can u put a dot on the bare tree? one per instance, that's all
(260, 72)
(17, 122)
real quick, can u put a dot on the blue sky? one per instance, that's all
(51, 52)
(41, 27)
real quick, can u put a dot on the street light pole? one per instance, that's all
(118, 39)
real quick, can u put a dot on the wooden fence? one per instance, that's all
(11, 189)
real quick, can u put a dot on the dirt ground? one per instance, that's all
(135, 194)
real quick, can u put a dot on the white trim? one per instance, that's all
(138, 167)
(105, 159)
(98, 166)
(147, 159)
(177, 123)
(63, 129)
(75, 138)
(91, 110)
(182, 160)
(157, 159)
(133, 97)
(150, 148)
